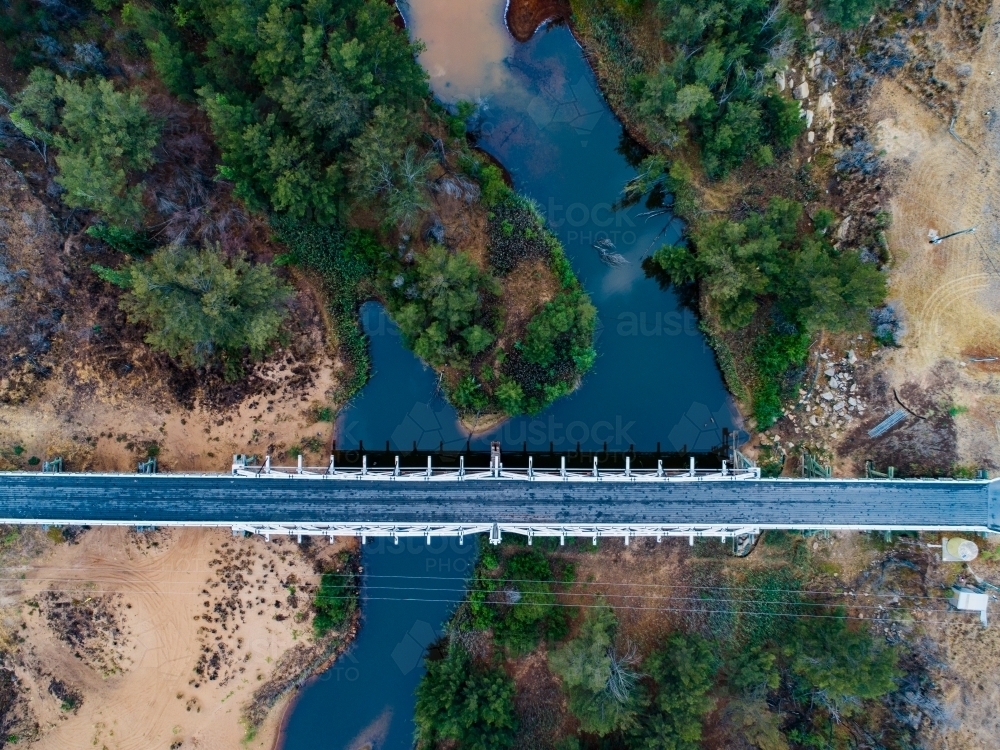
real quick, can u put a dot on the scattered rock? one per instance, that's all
(843, 229)
(824, 107)
(435, 232)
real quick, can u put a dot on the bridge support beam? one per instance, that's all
(626, 532)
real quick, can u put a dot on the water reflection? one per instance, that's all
(542, 115)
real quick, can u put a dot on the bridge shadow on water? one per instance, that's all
(383, 457)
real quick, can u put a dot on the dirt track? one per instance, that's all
(948, 294)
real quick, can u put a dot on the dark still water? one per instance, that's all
(366, 699)
(655, 380)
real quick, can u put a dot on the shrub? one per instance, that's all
(200, 309)
(123, 239)
(773, 355)
(335, 601)
(851, 13)
(494, 188)
(346, 261)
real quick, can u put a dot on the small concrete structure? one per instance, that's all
(957, 549)
(970, 600)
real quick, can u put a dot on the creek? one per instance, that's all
(655, 383)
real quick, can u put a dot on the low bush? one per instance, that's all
(335, 601)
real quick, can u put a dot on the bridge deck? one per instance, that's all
(225, 500)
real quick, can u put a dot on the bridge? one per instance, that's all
(430, 502)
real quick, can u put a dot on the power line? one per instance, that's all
(465, 591)
(466, 579)
(461, 601)
(811, 592)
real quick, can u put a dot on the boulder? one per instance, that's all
(435, 232)
(801, 91)
(824, 107)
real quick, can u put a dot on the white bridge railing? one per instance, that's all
(242, 467)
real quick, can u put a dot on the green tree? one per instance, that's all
(510, 396)
(746, 719)
(200, 309)
(464, 702)
(104, 137)
(335, 601)
(174, 65)
(35, 111)
(561, 329)
(838, 666)
(601, 686)
(439, 316)
(385, 165)
(711, 84)
(534, 614)
(288, 86)
(784, 119)
(684, 673)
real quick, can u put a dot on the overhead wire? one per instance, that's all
(627, 607)
(465, 579)
(565, 594)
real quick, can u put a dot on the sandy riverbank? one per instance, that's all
(162, 639)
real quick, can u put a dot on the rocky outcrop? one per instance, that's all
(525, 16)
